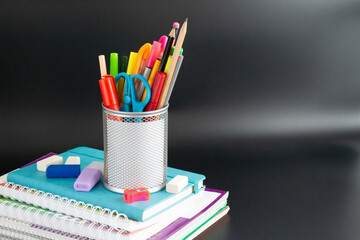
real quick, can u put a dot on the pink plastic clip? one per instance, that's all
(136, 195)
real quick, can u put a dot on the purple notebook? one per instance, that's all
(43, 157)
(181, 222)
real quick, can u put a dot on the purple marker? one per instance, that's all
(89, 177)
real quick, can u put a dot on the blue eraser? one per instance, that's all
(63, 171)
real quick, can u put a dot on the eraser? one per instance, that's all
(97, 165)
(63, 171)
(53, 160)
(73, 160)
(89, 177)
(177, 184)
(176, 25)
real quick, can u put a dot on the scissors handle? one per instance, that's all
(139, 106)
(127, 99)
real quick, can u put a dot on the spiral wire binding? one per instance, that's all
(10, 229)
(89, 228)
(28, 195)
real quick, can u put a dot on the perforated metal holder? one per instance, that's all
(135, 149)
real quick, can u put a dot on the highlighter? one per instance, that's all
(169, 59)
(109, 92)
(163, 40)
(89, 177)
(131, 62)
(155, 50)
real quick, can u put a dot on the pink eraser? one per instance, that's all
(176, 25)
(155, 50)
(163, 40)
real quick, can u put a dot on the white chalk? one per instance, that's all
(53, 160)
(177, 184)
(73, 160)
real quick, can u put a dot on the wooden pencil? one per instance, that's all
(172, 66)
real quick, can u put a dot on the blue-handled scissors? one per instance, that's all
(130, 92)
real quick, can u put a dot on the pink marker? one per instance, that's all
(155, 50)
(163, 40)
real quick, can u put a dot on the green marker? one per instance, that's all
(173, 49)
(114, 64)
(121, 83)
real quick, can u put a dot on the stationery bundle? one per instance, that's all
(126, 191)
(35, 206)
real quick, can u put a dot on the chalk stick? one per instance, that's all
(53, 160)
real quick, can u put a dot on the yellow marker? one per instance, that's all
(154, 70)
(131, 63)
(167, 64)
(143, 53)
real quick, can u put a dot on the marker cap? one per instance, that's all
(173, 49)
(163, 40)
(156, 48)
(109, 92)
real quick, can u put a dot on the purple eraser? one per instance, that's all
(89, 177)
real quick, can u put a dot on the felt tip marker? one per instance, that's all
(114, 64)
(109, 92)
(155, 50)
(89, 177)
(156, 91)
(121, 83)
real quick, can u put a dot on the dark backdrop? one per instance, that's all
(266, 104)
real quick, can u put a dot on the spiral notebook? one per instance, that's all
(27, 218)
(31, 186)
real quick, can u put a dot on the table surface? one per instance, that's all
(296, 191)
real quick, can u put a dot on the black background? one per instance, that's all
(266, 104)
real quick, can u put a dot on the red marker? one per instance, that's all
(109, 93)
(156, 88)
(160, 76)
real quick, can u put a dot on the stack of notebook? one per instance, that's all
(33, 206)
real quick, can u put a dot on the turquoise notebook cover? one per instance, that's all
(99, 196)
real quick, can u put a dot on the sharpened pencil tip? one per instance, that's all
(186, 19)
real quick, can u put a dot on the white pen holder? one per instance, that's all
(135, 149)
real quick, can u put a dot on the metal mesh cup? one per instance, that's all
(135, 149)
